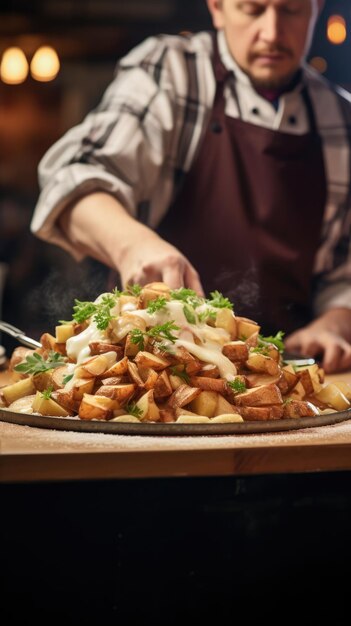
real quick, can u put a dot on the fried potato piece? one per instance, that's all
(64, 332)
(236, 351)
(258, 362)
(149, 411)
(299, 408)
(259, 396)
(97, 365)
(183, 395)
(47, 406)
(193, 419)
(120, 393)
(246, 327)
(96, 407)
(225, 319)
(332, 396)
(205, 403)
(146, 359)
(262, 413)
(208, 384)
(19, 389)
(22, 405)
(227, 418)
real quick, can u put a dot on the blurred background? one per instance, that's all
(56, 59)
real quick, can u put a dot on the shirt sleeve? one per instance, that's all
(120, 148)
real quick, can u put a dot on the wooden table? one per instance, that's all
(112, 529)
(33, 454)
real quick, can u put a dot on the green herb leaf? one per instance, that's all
(35, 363)
(189, 296)
(133, 409)
(164, 331)
(46, 394)
(157, 305)
(133, 290)
(67, 378)
(277, 340)
(189, 314)
(181, 374)
(83, 310)
(137, 337)
(219, 301)
(237, 385)
(208, 314)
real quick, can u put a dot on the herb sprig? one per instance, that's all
(277, 340)
(35, 363)
(160, 332)
(100, 311)
(237, 385)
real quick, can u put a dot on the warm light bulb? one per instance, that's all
(319, 64)
(336, 29)
(45, 64)
(14, 66)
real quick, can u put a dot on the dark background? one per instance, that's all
(89, 36)
(177, 552)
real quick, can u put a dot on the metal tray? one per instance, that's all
(116, 428)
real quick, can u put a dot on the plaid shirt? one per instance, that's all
(143, 137)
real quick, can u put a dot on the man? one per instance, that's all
(219, 161)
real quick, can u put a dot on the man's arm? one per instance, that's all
(328, 336)
(99, 226)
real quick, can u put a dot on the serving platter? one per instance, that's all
(75, 424)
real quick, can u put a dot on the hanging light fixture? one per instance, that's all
(336, 29)
(14, 66)
(45, 64)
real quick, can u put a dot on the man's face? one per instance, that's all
(267, 38)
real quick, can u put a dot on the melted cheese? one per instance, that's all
(201, 340)
(210, 354)
(77, 347)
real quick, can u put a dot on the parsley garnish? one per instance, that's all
(133, 290)
(261, 349)
(99, 311)
(46, 394)
(164, 331)
(67, 378)
(189, 314)
(137, 336)
(207, 315)
(183, 294)
(133, 409)
(35, 363)
(237, 385)
(83, 310)
(219, 301)
(277, 340)
(156, 305)
(181, 374)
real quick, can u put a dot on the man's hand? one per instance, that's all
(99, 225)
(153, 259)
(327, 337)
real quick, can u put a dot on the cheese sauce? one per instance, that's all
(201, 340)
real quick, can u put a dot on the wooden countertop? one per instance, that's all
(35, 454)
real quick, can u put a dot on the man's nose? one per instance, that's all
(271, 25)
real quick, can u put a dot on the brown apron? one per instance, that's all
(249, 215)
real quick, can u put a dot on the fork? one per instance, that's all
(19, 335)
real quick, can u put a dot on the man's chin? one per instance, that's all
(270, 82)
